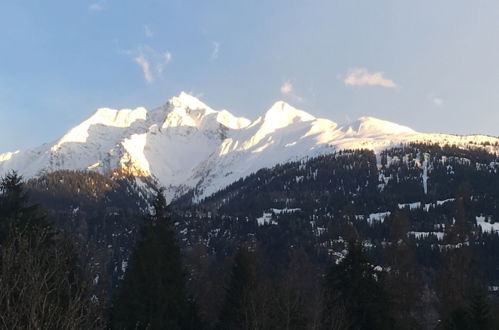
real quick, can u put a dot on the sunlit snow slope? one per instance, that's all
(185, 144)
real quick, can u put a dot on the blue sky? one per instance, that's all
(431, 65)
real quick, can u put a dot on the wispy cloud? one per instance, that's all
(362, 77)
(144, 64)
(151, 61)
(167, 57)
(148, 32)
(287, 90)
(98, 5)
(215, 50)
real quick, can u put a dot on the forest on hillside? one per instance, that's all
(342, 241)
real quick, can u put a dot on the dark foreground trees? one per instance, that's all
(40, 288)
(41, 283)
(247, 300)
(153, 293)
(256, 300)
(16, 214)
(354, 298)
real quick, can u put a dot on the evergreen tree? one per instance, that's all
(297, 297)
(455, 277)
(352, 287)
(458, 319)
(153, 294)
(480, 317)
(236, 311)
(403, 281)
(15, 212)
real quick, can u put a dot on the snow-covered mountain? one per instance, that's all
(185, 144)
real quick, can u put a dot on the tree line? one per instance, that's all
(45, 283)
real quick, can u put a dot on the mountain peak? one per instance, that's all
(280, 105)
(186, 100)
(369, 126)
(282, 111)
(187, 110)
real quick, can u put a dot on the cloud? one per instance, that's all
(435, 99)
(97, 6)
(151, 61)
(286, 88)
(288, 91)
(161, 63)
(215, 51)
(144, 64)
(361, 77)
(148, 32)
(438, 101)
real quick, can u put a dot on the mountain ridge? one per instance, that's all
(186, 145)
